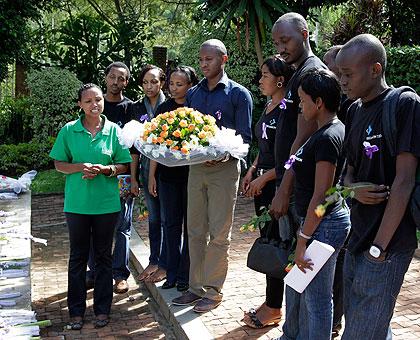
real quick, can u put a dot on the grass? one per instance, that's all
(48, 181)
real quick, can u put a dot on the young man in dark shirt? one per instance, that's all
(383, 237)
(118, 109)
(290, 35)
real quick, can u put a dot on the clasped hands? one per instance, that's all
(90, 171)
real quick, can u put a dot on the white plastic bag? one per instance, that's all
(22, 184)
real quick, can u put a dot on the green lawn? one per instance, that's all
(48, 181)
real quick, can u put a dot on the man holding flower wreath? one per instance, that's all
(213, 186)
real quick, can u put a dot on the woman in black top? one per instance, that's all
(152, 79)
(172, 191)
(317, 166)
(259, 182)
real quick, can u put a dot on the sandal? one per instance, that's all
(99, 323)
(254, 322)
(75, 325)
(157, 276)
(147, 272)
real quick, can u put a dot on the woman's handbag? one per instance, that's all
(270, 256)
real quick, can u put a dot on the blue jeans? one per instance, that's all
(173, 201)
(156, 235)
(121, 254)
(370, 292)
(309, 315)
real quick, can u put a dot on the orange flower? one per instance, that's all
(191, 127)
(176, 133)
(172, 114)
(176, 147)
(160, 140)
(153, 126)
(154, 140)
(183, 123)
(202, 135)
(165, 115)
(170, 120)
(185, 150)
(169, 142)
(164, 134)
(145, 137)
(206, 128)
(165, 127)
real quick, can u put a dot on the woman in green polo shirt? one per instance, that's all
(88, 152)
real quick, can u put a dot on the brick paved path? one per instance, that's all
(245, 288)
(134, 315)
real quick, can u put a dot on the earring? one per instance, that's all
(279, 84)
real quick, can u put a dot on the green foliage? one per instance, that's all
(15, 120)
(15, 160)
(403, 66)
(48, 181)
(53, 96)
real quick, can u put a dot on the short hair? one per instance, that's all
(85, 87)
(216, 44)
(278, 67)
(189, 72)
(293, 18)
(147, 68)
(333, 50)
(370, 47)
(118, 64)
(322, 84)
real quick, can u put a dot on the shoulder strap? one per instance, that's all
(389, 122)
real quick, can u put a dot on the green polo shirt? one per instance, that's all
(74, 144)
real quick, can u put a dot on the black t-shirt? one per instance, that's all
(364, 124)
(344, 106)
(119, 113)
(287, 122)
(175, 173)
(326, 144)
(265, 132)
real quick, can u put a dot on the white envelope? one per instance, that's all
(319, 253)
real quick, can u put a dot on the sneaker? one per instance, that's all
(121, 286)
(206, 305)
(186, 299)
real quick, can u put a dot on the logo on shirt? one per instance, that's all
(369, 130)
(288, 97)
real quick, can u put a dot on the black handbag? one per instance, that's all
(270, 256)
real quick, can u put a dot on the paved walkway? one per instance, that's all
(134, 314)
(138, 315)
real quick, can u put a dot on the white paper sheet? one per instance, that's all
(319, 253)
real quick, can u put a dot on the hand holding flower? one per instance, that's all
(369, 193)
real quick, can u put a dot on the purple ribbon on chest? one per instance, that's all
(370, 149)
(218, 114)
(264, 131)
(144, 118)
(283, 104)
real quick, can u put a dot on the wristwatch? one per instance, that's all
(375, 251)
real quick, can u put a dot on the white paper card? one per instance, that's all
(319, 253)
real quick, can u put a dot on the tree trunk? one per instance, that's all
(257, 45)
(20, 80)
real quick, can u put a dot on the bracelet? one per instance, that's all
(253, 166)
(113, 169)
(306, 237)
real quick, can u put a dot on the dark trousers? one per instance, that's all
(83, 229)
(173, 202)
(275, 286)
(338, 289)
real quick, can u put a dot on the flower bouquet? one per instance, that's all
(183, 137)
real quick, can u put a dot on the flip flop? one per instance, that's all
(157, 276)
(75, 325)
(254, 322)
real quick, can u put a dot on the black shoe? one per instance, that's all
(182, 287)
(89, 284)
(168, 285)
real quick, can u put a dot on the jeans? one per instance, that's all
(309, 315)
(83, 229)
(338, 289)
(121, 253)
(370, 290)
(156, 234)
(173, 201)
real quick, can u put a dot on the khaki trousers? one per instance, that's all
(212, 192)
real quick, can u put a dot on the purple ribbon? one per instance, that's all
(264, 131)
(144, 118)
(283, 104)
(218, 114)
(370, 149)
(290, 162)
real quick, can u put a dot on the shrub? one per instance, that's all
(15, 160)
(402, 65)
(15, 120)
(53, 95)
